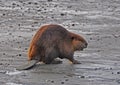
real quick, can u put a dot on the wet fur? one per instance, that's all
(54, 41)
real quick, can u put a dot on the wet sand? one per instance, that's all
(97, 20)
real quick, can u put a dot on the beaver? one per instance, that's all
(53, 41)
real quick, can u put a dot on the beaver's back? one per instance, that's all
(53, 35)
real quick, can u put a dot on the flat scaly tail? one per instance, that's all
(30, 64)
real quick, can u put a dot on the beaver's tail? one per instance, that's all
(30, 64)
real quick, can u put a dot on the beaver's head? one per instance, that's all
(78, 42)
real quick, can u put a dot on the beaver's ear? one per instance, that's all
(72, 37)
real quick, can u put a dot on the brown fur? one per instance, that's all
(52, 41)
